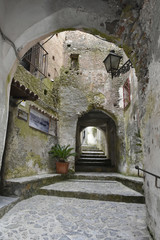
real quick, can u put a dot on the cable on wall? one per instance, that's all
(5, 38)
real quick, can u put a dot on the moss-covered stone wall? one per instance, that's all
(91, 87)
(26, 151)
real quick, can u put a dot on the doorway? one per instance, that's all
(96, 142)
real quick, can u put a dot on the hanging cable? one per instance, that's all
(5, 38)
(47, 39)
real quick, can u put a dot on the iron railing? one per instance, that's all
(152, 174)
(36, 61)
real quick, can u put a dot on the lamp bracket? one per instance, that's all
(125, 68)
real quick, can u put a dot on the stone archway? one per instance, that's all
(103, 121)
(133, 25)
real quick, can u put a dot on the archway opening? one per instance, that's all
(96, 133)
(93, 138)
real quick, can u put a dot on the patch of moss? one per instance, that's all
(109, 38)
(19, 172)
(63, 30)
(8, 79)
(127, 11)
(151, 101)
(26, 131)
(36, 159)
(37, 86)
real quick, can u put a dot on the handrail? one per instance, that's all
(152, 174)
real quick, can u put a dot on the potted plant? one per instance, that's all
(61, 153)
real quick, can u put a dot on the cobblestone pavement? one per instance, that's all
(55, 218)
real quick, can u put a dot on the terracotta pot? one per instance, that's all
(62, 167)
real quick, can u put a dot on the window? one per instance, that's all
(74, 61)
(126, 93)
(36, 61)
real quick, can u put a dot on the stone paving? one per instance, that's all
(48, 218)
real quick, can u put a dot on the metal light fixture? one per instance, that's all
(111, 63)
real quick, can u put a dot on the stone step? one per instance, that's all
(27, 186)
(135, 183)
(104, 190)
(89, 168)
(92, 156)
(90, 148)
(89, 159)
(6, 203)
(93, 163)
(93, 152)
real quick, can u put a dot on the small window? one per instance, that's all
(74, 61)
(126, 93)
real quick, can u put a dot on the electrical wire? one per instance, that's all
(48, 39)
(5, 38)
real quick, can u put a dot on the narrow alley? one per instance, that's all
(79, 120)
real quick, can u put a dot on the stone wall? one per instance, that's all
(150, 125)
(54, 46)
(89, 86)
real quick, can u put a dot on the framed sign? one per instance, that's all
(38, 120)
(22, 115)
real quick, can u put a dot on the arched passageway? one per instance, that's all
(93, 137)
(37, 20)
(102, 121)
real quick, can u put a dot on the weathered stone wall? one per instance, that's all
(133, 139)
(150, 123)
(26, 150)
(54, 47)
(91, 87)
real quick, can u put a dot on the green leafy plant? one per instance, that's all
(62, 153)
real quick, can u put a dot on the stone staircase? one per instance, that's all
(93, 186)
(93, 160)
(96, 187)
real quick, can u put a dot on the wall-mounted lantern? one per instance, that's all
(111, 63)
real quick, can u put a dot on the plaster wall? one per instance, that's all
(26, 148)
(26, 151)
(151, 133)
(150, 129)
(150, 123)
